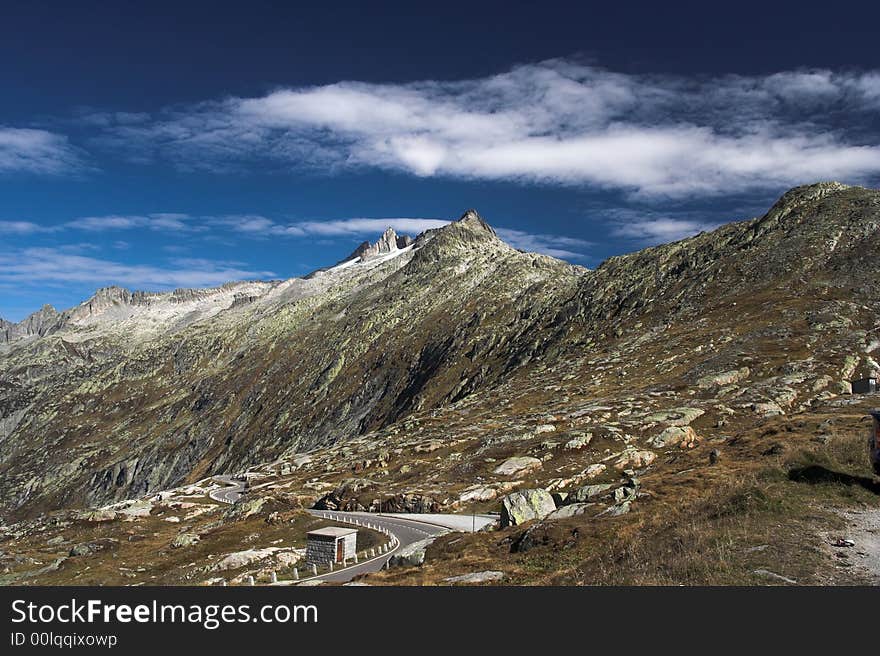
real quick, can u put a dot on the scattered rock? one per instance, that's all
(683, 436)
(533, 536)
(570, 510)
(726, 378)
(95, 546)
(100, 515)
(184, 540)
(676, 416)
(578, 442)
(525, 505)
(516, 465)
(594, 470)
(479, 493)
(476, 577)
(412, 555)
(773, 575)
(588, 492)
(767, 409)
(245, 509)
(635, 459)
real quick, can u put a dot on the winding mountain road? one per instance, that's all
(407, 528)
(406, 531)
(231, 493)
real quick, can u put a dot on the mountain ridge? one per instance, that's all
(460, 320)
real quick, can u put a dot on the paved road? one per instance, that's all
(464, 523)
(231, 493)
(405, 530)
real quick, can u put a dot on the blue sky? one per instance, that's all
(168, 145)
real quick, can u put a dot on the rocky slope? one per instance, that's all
(457, 346)
(133, 392)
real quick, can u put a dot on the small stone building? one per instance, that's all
(865, 385)
(333, 544)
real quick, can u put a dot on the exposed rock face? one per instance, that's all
(525, 505)
(389, 242)
(44, 321)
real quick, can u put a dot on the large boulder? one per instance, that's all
(412, 555)
(525, 505)
(478, 493)
(635, 459)
(683, 436)
(517, 465)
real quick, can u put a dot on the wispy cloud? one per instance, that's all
(22, 228)
(25, 150)
(557, 122)
(264, 227)
(163, 221)
(260, 226)
(553, 245)
(648, 228)
(54, 265)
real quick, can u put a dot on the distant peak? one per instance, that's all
(389, 242)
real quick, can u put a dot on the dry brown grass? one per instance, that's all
(765, 506)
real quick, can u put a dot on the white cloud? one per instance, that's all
(36, 151)
(557, 122)
(22, 228)
(649, 228)
(262, 226)
(259, 226)
(53, 265)
(553, 245)
(161, 222)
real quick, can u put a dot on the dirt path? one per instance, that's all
(863, 528)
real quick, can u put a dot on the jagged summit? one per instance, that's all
(389, 242)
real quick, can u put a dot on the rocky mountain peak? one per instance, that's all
(389, 242)
(104, 298)
(42, 322)
(798, 197)
(473, 220)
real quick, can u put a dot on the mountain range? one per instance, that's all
(447, 370)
